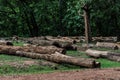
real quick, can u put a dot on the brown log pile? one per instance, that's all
(53, 56)
(103, 54)
(64, 45)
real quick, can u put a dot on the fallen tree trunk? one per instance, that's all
(67, 46)
(3, 42)
(107, 45)
(36, 49)
(64, 45)
(61, 39)
(113, 57)
(104, 39)
(103, 54)
(58, 58)
(96, 53)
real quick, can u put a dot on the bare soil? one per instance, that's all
(88, 74)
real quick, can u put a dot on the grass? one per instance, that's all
(12, 58)
(18, 43)
(108, 64)
(6, 69)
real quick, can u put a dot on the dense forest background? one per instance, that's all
(58, 17)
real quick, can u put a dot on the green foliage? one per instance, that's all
(58, 17)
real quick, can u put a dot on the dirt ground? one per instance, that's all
(89, 74)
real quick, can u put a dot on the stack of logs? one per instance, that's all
(48, 53)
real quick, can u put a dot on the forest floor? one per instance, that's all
(88, 74)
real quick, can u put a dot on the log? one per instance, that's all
(67, 46)
(3, 42)
(36, 49)
(64, 45)
(104, 39)
(61, 39)
(107, 45)
(58, 58)
(114, 56)
(96, 53)
(103, 54)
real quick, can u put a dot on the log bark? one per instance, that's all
(114, 56)
(61, 39)
(64, 45)
(104, 39)
(2, 42)
(96, 53)
(56, 57)
(107, 45)
(36, 49)
(104, 54)
(67, 46)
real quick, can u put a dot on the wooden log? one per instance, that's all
(36, 49)
(60, 39)
(64, 45)
(104, 39)
(96, 53)
(107, 45)
(3, 42)
(67, 46)
(113, 57)
(56, 57)
(104, 54)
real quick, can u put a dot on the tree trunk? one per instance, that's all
(62, 12)
(114, 57)
(6, 43)
(56, 57)
(52, 42)
(30, 19)
(87, 23)
(103, 54)
(34, 24)
(36, 49)
(96, 53)
(107, 45)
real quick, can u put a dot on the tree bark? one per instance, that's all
(87, 23)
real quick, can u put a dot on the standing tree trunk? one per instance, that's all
(30, 18)
(62, 11)
(87, 23)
